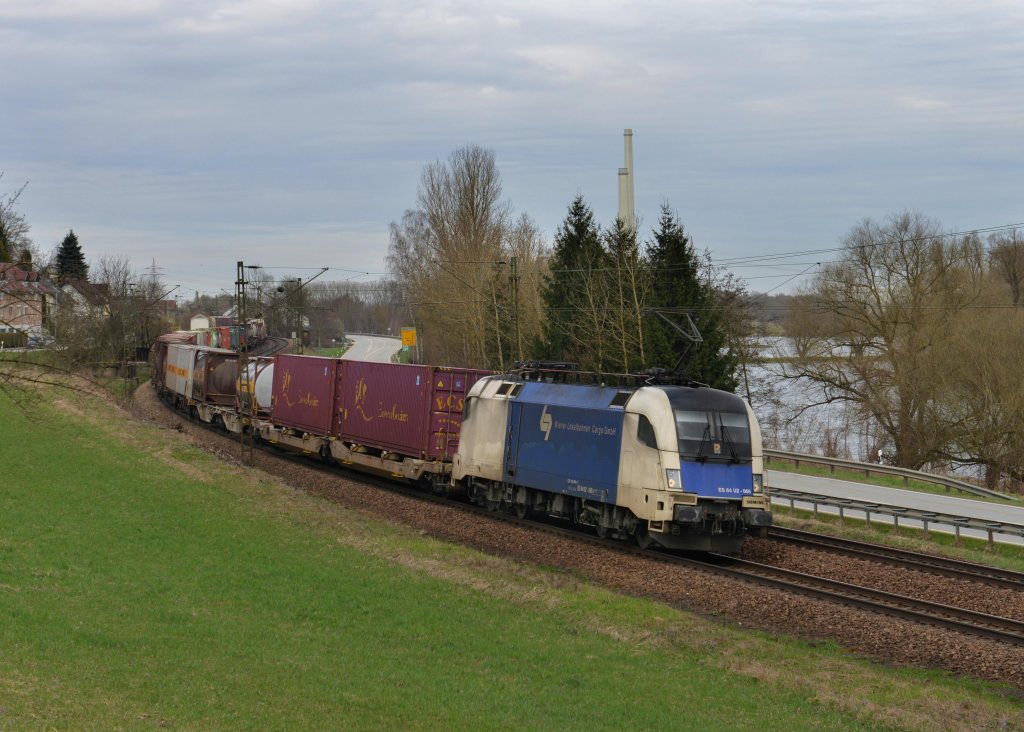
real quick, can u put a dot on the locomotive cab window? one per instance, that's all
(645, 432)
(735, 429)
(692, 429)
(713, 436)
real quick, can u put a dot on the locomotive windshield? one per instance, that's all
(713, 436)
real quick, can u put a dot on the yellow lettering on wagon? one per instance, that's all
(452, 401)
(360, 398)
(177, 371)
(392, 414)
(306, 400)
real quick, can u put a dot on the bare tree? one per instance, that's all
(627, 290)
(888, 298)
(981, 383)
(14, 229)
(93, 334)
(1006, 259)
(526, 247)
(590, 336)
(449, 256)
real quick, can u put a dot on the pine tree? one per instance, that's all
(572, 291)
(679, 282)
(70, 260)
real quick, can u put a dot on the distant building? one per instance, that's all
(87, 296)
(25, 299)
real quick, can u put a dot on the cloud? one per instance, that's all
(197, 130)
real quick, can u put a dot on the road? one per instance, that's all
(378, 349)
(985, 510)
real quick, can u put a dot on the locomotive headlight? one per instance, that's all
(758, 483)
(674, 479)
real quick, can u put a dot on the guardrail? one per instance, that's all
(958, 522)
(869, 468)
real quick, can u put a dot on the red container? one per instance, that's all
(411, 410)
(304, 393)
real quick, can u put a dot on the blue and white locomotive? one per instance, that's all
(679, 466)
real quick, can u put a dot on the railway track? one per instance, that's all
(270, 346)
(923, 611)
(917, 610)
(902, 558)
(920, 611)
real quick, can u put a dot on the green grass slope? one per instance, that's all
(143, 583)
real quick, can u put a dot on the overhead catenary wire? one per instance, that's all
(774, 260)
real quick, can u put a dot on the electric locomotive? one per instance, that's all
(676, 465)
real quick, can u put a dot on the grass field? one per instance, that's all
(143, 583)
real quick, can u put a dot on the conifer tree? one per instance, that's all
(572, 292)
(679, 281)
(70, 260)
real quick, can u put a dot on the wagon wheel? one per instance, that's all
(602, 531)
(492, 505)
(521, 509)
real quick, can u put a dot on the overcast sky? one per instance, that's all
(290, 133)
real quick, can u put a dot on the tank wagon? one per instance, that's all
(201, 376)
(679, 466)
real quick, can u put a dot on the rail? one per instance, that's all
(958, 522)
(869, 468)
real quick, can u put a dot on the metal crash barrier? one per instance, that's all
(896, 513)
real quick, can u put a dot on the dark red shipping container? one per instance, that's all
(304, 393)
(411, 410)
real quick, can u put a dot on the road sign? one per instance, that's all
(408, 337)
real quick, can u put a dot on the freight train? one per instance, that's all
(228, 334)
(661, 463)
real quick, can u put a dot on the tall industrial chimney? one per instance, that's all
(627, 209)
